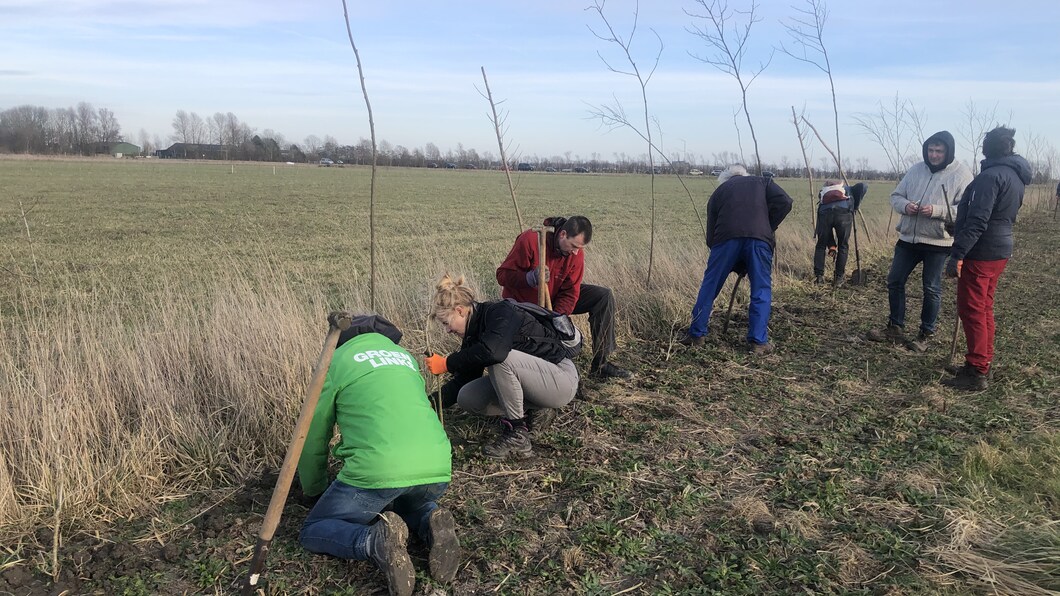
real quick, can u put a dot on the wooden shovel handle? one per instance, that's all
(294, 452)
(544, 300)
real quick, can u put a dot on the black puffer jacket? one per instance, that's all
(493, 330)
(988, 209)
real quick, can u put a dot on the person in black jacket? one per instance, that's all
(835, 218)
(982, 245)
(529, 370)
(743, 214)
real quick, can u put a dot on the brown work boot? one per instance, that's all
(759, 349)
(513, 440)
(445, 547)
(692, 341)
(955, 369)
(968, 378)
(386, 548)
(892, 333)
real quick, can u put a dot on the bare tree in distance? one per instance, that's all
(895, 127)
(806, 30)
(730, 49)
(500, 127)
(371, 127)
(642, 79)
(801, 133)
(976, 121)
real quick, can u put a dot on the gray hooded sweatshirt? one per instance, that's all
(923, 185)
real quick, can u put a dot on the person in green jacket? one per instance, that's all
(395, 455)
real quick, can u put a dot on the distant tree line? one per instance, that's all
(64, 131)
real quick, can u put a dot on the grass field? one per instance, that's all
(158, 321)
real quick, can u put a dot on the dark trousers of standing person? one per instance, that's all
(975, 306)
(599, 303)
(906, 258)
(833, 225)
(757, 256)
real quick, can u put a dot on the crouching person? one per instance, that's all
(530, 373)
(396, 457)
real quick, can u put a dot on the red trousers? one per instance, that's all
(975, 306)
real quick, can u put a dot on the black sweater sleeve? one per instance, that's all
(490, 341)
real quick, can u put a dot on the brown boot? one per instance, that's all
(892, 333)
(968, 378)
(386, 548)
(445, 547)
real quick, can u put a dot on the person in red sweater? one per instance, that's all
(518, 277)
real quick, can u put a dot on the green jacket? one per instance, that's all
(390, 436)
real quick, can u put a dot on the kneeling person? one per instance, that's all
(395, 454)
(529, 368)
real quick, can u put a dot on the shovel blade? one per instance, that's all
(859, 277)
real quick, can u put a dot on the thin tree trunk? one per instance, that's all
(809, 171)
(500, 146)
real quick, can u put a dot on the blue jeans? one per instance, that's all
(905, 260)
(757, 257)
(338, 524)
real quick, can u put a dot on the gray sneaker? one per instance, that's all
(445, 547)
(386, 548)
(513, 440)
(891, 333)
(540, 419)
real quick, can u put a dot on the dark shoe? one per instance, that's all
(891, 333)
(540, 419)
(513, 440)
(922, 342)
(386, 548)
(819, 280)
(610, 371)
(760, 349)
(445, 547)
(838, 282)
(955, 369)
(968, 378)
(691, 341)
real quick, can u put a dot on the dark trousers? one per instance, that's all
(599, 303)
(906, 258)
(833, 229)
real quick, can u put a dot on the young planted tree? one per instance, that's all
(499, 126)
(615, 114)
(801, 133)
(726, 31)
(371, 127)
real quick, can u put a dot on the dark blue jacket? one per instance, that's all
(988, 209)
(746, 207)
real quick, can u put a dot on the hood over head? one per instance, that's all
(944, 138)
(370, 324)
(1016, 162)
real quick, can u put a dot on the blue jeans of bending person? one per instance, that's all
(906, 258)
(338, 524)
(757, 256)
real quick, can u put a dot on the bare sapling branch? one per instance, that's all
(807, 34)
(726, 32)
(642, 80)
(801, 134)
(498, 125)
(375, 152)
(977, 120)
(29, 236)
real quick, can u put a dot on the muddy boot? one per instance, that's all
(922, 342)
(445, 547)
(892, 333)
(839, 281)
(819, 280)
(760, 349)
(692, 341)
(386, 548)
(513, 440)
(540, 419)
(968, 378)
(609, 371)
(955, 369)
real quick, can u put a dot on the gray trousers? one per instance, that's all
(522, 382)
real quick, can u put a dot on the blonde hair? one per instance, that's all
(450, 293)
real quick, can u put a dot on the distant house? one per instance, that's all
(117, 149)
(194, 151)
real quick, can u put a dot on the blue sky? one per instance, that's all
(288, 66)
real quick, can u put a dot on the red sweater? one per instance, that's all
(565, 272)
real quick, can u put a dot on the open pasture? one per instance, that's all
(159, 319)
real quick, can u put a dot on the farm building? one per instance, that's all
(117, 149)
(194, 151)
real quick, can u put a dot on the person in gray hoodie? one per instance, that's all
(981, 248)
(926, 198)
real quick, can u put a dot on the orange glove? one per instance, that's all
(436, 364)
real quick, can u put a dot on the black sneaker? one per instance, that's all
(445, 547)
(956, 369)
(610, 371)
(513, 440)
(968, 378)
(386, 548)
(819, 280)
